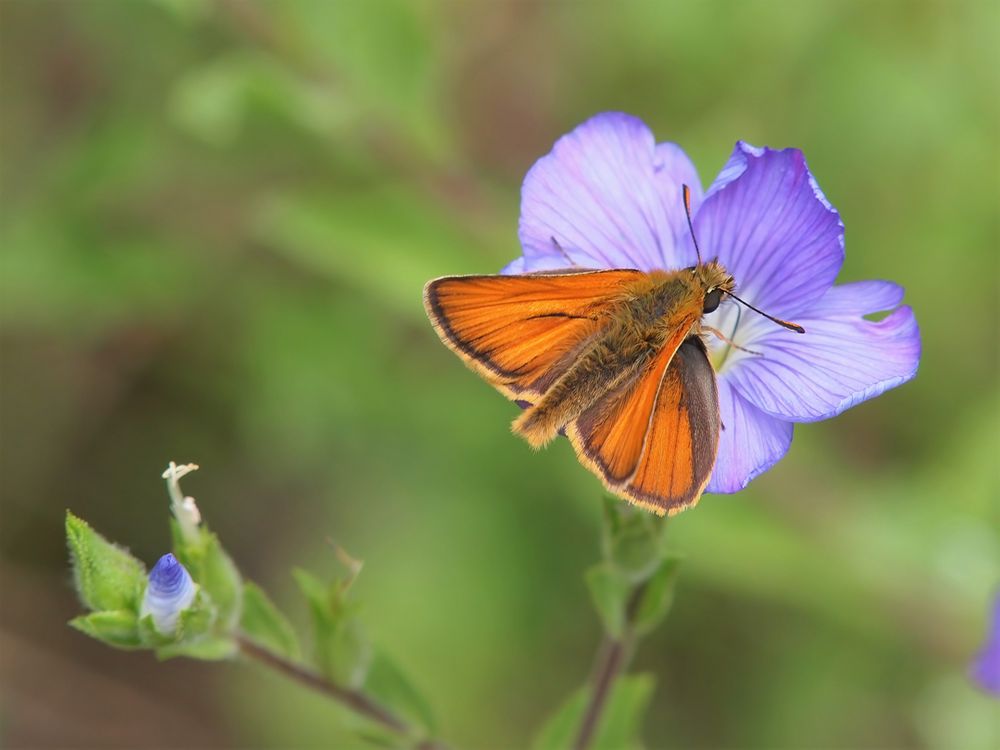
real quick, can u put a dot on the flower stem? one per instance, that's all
(612, 657)
(355, 700)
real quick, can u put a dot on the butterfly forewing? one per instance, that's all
(523, 332)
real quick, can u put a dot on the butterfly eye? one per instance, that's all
(712, 300)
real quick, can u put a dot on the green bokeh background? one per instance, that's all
(217, 218)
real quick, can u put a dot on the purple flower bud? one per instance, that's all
(985, 668)
(169, 591)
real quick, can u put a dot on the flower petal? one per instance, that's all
(769, 224)
(610, 197)
(985, 668)
(751, 443)
(841, 360)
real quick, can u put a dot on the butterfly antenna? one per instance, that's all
(686, 192)
(783, 323)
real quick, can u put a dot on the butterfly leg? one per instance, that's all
(719, 334)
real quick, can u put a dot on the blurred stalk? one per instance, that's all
(612, 658)
(354, 700)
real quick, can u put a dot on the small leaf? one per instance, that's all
(609, 591)
(107, 577)
(117, 628)
(657, 596)
(387, 683)
(197, 620)
(621, 719)
(213, 570)
(210, 648)
(264, 623)
(343, 652)
(633, 541)
(150, 636)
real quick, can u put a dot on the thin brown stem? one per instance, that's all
(355, 700)
(612, 658)
(610, 661)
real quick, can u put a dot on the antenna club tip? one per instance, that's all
(790, 325)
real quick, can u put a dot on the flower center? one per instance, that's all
(726, 319)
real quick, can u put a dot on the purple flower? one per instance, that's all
(169, 591)
(985, 669)
(609, 196)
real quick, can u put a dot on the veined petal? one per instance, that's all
(610, 197)
(769, 224)
(751, 443)
(169, 591)
(841, 360)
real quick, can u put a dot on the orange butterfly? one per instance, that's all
(615, 359)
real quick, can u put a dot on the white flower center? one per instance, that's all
(737, 324)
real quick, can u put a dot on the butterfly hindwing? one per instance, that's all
(654, 441)
(522, 332)
(609, 436)
(683, 436)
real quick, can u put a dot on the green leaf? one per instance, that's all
(633, 540)
(620, 722)
(387, 684)
(106, 576)
(656, 597)
(117, 628)
(343, 652)
(609, 591)
(210, 648)
(214, 571)
(196, 620)
(150, 636)
(264, 623)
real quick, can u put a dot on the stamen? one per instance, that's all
(560, 249)
(720, 335)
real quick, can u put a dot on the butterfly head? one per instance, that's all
(713, 281)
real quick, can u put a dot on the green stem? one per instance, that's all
(354, 700)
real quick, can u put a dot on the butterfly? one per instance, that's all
(614, 359)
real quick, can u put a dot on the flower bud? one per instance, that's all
(169, 591)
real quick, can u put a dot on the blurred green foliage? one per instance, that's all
(216, 221)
